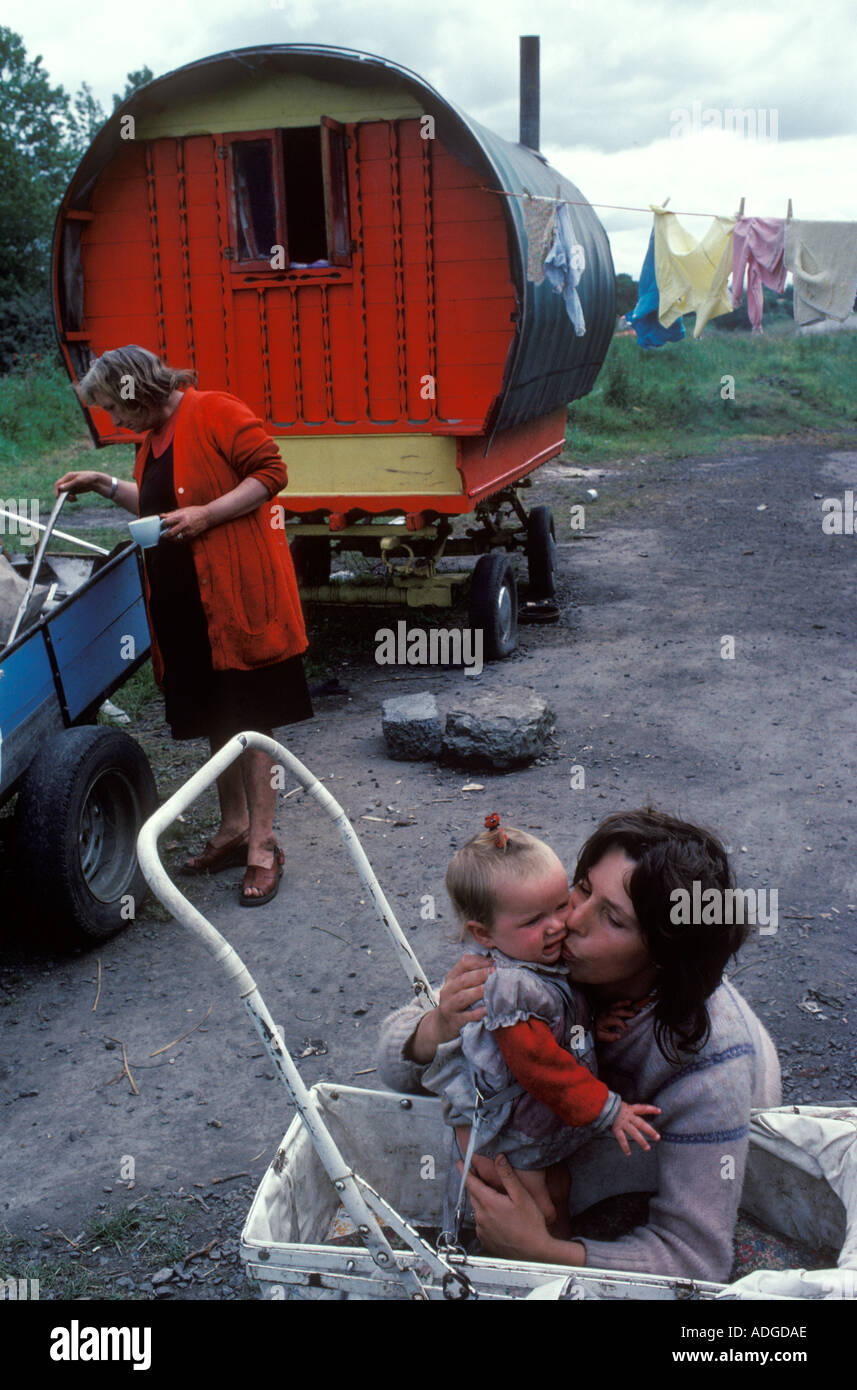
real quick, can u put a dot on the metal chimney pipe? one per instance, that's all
(529, 98)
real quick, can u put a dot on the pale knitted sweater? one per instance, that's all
(697, 1169)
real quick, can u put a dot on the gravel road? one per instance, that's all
(675, 558)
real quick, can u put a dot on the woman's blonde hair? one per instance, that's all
(132, 377)
(478, 871)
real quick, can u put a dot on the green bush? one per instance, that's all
(618, 389)
(26, 331)
(38, 410)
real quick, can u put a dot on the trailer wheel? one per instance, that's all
(541, 553)
(311, 559)
(494, 605)
(81, 806)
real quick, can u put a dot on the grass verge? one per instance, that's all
(698, 397)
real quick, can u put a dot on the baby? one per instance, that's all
(531, 1058)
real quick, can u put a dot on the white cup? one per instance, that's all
(146, 531)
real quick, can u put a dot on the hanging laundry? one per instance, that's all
(643, 318)
(692, 274)
(564, 265)
(822, 257)
(539, 223)
(758, 247)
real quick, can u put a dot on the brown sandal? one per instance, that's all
(217, 857)
(266, 879)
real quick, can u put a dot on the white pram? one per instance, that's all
(346, 1145)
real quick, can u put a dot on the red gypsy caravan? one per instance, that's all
(321, 233)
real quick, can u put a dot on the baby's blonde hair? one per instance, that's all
(479, 869)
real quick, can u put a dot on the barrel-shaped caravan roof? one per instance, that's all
(548, 365)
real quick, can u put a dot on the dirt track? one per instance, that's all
(762, 747)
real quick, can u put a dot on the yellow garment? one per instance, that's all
(691, 275)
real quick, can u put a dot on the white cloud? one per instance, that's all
(709, 173)
(613, 74)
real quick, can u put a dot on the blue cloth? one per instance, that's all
(643, 318)
(564, 265)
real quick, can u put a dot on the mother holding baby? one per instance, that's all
(687, 1043)
(222, 598)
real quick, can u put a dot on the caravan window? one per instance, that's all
(289, 190)
(255, 203)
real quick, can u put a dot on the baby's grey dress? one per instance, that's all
(522, 1128)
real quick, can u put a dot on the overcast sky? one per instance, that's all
(632, 93)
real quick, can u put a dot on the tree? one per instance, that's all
(133, 81)
(43, 134)
(35, 163)
(86, 118)
(773, 305)
(626, 293)
(89, 116)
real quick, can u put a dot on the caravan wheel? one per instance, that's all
(541, 553)
(494, 605)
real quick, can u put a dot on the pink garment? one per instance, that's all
(757, 246)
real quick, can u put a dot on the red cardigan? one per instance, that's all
(246, 577)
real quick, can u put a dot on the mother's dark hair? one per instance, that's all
(672, 854)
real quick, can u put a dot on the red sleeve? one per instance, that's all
(551, 1074)
(245, 443)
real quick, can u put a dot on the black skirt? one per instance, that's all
(201, 702)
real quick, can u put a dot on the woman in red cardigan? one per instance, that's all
(224, 610)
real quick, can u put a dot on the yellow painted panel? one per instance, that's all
(272, 102)
(371, 465)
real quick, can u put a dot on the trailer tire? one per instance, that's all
(311, 559)
(541, 553)
(494, 605)
(82, 802)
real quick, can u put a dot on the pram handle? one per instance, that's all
(167, 892)
(344, 1180)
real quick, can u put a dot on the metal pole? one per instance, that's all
(529, 99)
(37, 526)
(37, 565)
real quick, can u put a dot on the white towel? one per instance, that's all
(822, 257)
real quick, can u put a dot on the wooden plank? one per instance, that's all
(470, 241)
(462, 279)
(88, 635)
(346, 396)
(449, 173)
(248, 352)
(311, 348)
(128, 165)
(117, 228)
(30, 734)
(466, 388)
(107, 331)
(283, 348)
(137, 298)
(478, 346)
(372, 143)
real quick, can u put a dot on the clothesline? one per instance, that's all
(683, 275)
(585, 203)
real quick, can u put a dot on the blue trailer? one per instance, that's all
(83, 789)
